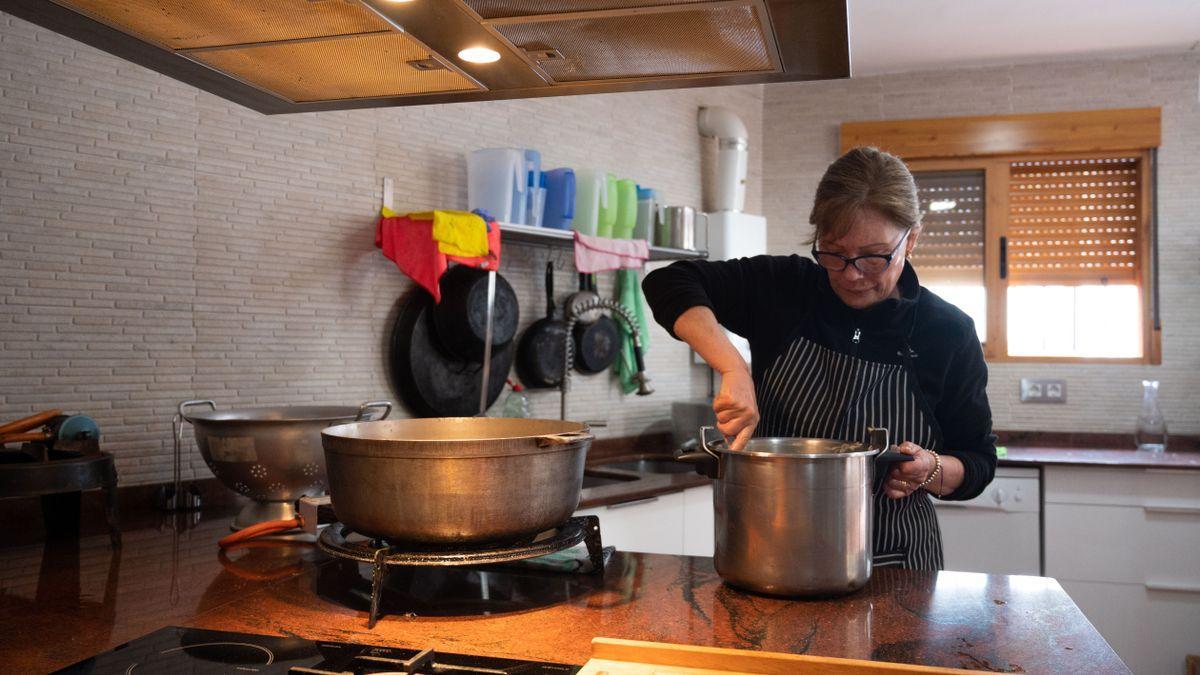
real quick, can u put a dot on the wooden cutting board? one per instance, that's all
(630, 657)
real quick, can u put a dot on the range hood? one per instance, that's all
(279, 56)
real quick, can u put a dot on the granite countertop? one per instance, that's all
(1040, 456)
(642, 485)
(65, 601)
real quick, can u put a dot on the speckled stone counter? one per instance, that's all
(1041, 456)
(64, 602)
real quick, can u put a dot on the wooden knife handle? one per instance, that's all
(31, 422)
(28, 436)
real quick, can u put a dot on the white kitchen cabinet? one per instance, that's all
(652, 525)
(1125, 544)
(699, 534)
(679, 523)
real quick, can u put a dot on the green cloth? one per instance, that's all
(629, 293)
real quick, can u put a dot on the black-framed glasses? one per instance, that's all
(872, 263)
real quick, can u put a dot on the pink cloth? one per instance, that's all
(601, 254)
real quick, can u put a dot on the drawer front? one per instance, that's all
(653, 525)
(1112, 486)
(1152, 631)
(1156, 545)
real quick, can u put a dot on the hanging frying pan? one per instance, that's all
(540, 351)
(461, 317)
(596, 343)
(432, 382)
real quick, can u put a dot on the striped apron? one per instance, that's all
(812, 391)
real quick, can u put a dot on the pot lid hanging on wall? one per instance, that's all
(279, 56)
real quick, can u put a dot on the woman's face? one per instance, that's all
(870, 233)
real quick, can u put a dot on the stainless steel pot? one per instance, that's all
(677, 229)
(794, 515)
(271, 455)
(455, 480)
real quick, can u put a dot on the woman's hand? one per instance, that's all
(736, 407)
(904, 477)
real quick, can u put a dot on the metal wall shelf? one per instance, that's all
(545, 236)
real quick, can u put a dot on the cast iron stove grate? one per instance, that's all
(339, 541)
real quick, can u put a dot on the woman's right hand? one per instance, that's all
(736, 407)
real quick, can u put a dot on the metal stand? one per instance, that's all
(60, 476)
(335, 540)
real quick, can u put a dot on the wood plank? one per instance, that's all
(1081, 131)
(631, 657)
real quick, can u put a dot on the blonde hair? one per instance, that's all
(864, 178)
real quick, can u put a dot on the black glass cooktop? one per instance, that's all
(192, 650)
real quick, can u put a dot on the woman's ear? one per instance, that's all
(912, 239)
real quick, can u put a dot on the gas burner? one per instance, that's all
(341, 542)
(174, 650)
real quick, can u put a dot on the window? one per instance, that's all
(1071, 251)
(949, 254)
(1037, 226)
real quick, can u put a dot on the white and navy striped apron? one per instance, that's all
(812, 391)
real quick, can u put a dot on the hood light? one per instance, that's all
(479, 55)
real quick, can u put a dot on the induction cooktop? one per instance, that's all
(194, 650)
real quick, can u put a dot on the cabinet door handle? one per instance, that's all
(1172, 508)
(1172, 587)
(635, 502)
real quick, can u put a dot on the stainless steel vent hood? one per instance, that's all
(279, 56)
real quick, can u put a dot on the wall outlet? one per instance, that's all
(1043, 391)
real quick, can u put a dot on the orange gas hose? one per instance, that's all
(259, 529)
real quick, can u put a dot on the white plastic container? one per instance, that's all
(591, 194)
(496, 183)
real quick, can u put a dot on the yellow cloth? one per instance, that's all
(458, 233)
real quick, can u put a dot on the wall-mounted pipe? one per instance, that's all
(727, 191)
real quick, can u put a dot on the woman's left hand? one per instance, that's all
(904, 477)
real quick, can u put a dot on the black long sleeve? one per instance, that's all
(770, 300)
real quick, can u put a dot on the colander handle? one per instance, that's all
(371, 405)
(188, 404)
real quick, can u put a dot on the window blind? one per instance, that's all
(950, 249)
(1075, 221)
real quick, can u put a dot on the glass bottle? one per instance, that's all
(1151, 434)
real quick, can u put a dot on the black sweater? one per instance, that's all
(771, 300)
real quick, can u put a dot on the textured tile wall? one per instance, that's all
(802, 122)
(158, 243)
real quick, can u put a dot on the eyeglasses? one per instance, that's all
(872, 263)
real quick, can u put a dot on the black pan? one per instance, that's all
(540, 351)
(596, 343)
(432, 382)
(461, 317)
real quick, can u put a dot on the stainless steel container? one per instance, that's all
(677, 228)
(455, 480)
(271, 455)
(794, 515)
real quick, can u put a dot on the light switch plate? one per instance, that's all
(1043, 391)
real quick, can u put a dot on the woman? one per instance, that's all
(847, 342)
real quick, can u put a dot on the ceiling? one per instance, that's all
(890, 36)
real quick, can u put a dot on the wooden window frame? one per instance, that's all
(995, 225)
(990, 144)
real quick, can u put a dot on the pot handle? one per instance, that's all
(370, 405)
(707, 461)
(878, 440)
(706, 447)
(567, 438)
(188, 404)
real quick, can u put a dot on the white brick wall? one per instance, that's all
(158, 243)
(802, 122)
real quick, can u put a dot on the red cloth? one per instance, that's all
(410, 244)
